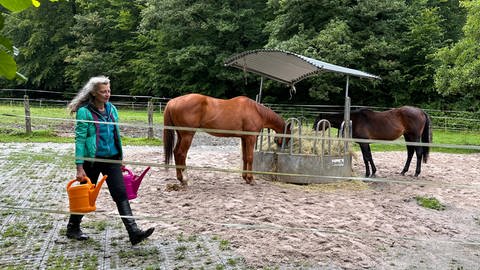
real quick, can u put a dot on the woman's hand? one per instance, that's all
(80, 173)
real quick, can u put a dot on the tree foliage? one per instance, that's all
(8, 66)
(172, 47)
(184, 44)
(104, 35)
(458, 71)
(393, 39)
(42, 44)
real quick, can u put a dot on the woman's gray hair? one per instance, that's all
(85, 94)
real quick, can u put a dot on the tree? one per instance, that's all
(183, 45)
(43, 38)
(362, 35)
(298, 27)
(393, 39)
(458, 70)
(104, 35)
(172, 47)
(423, 36)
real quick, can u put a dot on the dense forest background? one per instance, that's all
(427, 52)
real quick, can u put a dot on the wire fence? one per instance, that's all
(441, 120)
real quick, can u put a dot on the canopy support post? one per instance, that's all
(346, 114)
(259, 96)
(346, 87)
(347, 125)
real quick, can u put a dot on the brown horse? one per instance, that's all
(413, 123)
(199, 111)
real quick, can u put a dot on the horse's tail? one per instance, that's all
(426, 137)
(168, 135)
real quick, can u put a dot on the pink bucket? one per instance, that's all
(132, 181)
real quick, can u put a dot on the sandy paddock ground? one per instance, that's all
(346, 225)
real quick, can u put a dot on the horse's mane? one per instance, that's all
(269, 115)
(362, 110)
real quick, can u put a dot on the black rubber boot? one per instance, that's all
(73, 228)
(134, 233)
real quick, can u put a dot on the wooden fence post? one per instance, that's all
(150, 119)
(28, 123)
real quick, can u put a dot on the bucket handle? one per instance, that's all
(85, 178)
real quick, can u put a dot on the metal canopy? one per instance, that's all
(287, 67)
(290, 68)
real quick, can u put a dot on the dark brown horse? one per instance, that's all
(413, 123)
(199, 111)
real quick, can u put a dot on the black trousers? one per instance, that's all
(114, 181)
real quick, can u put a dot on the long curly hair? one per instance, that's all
(85, 94)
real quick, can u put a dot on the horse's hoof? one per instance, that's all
(416, 175)
(402, 173)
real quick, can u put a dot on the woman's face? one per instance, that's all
(102, 94)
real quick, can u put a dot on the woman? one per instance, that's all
(93, 139)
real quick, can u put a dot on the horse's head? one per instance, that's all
(287, 131)
(335, 120)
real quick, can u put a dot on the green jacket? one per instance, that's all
(86, 133)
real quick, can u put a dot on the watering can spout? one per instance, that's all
(138, 179)
(95, 189)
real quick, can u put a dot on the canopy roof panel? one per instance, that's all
(287, 67)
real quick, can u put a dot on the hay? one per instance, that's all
(307, 142)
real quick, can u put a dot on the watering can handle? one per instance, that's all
(75, 180)
(125, 169)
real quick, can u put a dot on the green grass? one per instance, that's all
(12, 123)
(9, 135)
(224, 245)
(439, 137)
(430, 203)
(444, 137)
(16, 230)
(141, 141)
(41, 136)
(136, 116)
(11, 113)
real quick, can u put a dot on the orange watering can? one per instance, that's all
(132, 181)
(82, 197)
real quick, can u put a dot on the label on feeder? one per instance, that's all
(339, 162)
